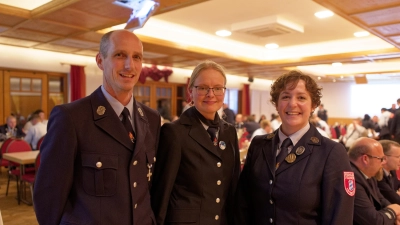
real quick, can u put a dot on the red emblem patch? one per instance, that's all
(349, 183)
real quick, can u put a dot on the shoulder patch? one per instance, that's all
(349, 183)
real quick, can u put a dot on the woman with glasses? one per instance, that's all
(295, 175)
(197, 164)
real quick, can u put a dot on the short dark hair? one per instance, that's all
(358, 150)
(292, 78)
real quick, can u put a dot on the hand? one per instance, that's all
(396, 209)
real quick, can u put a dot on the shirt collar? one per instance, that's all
(295, 137)
(116, 105)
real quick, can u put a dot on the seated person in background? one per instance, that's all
(390, 185)
(275, 122)
(42, 116)
(323, 125)
(265, 128)
(314, 122)
(354, 131)
(251, 125)
(370, 207)
(36, 131)
(239, 121)
(10, 129)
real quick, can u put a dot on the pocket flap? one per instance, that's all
(100, 161)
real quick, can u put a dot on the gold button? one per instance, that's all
(99, 164)
(216, 217)
(135, 206)
(219, 164)
(154, 159)
(217, 200)
(135, 163)
(134, 184)
(219, 182)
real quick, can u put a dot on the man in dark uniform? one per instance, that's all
(11, 129)
(94, 168)
(389, 185)
(395, 124)
(370, 207)
(229, 114)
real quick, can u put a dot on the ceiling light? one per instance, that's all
(272, 46)
(337, 64)
(223, 33)
(323, 14)
(361, 34)
(319, 78)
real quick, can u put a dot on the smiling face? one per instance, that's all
(294, 106)
(209, 103)
(122, 64)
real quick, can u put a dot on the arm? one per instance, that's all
(55, 175)
(337, 203)
(165, 170)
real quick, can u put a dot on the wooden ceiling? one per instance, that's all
(71, 26)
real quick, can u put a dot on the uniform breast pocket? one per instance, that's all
(99, 174)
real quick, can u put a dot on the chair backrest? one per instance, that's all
(3, 149)
(39, 143)
(18, 145)
(37, 162)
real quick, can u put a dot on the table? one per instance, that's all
(22, 158)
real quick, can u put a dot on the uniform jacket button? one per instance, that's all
(99, 164)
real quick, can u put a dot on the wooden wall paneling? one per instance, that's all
(2, 118)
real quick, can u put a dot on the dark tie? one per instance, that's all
(128, 125)
(284, 151)
(212, 131)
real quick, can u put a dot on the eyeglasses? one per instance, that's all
(398, 157)
(376, 157)
(216, 90)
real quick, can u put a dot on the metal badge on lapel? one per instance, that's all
(314, 140)
(290, 158)
(270, 136)
(140, 111)
(222, 145)
(101, 110)
(300, 150)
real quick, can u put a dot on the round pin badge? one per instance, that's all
(314, 139)
(300, 150)
(222, 145)
(101, 110)
(290, 158)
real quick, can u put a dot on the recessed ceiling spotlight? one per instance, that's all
(319, 78)
(361, 34)
(223, 33)
(323, 14)
(272, 46)
(337, 64)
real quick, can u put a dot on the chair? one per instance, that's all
(16, 145)
(30, 177)
(4, 162)
(39, 143)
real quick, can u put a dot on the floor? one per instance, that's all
(11, 212)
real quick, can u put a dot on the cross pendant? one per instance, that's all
(149, 174)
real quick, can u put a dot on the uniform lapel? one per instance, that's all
(106, 119)
(311, 141)
(270, 150)
(198, 133)
(141, 126)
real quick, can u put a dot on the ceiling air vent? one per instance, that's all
(267, 26)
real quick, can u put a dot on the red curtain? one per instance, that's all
(246, 99)
(78, 82)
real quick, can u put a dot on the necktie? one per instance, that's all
(128, 125)
(284, 151)
(212, 131)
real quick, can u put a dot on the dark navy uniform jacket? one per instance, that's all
(194, 180)
(388, 187)
(309, 191)
(90, 171)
